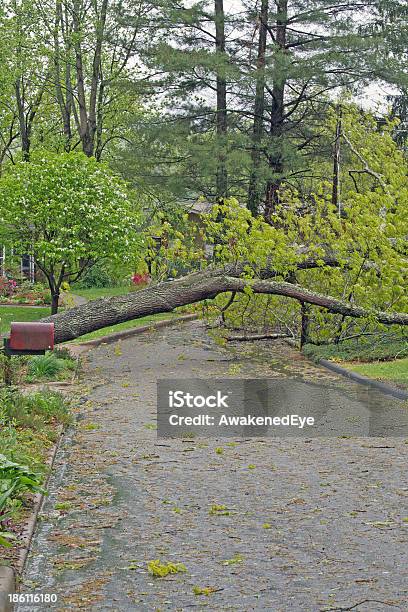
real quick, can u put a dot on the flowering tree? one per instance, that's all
(68, 211)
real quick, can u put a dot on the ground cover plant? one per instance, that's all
(15, 479)
(29, 427)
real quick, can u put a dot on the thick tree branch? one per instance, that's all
(167, 296)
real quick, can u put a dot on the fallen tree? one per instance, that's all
(196, 287)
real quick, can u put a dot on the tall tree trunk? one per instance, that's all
(84, 133)
(64, 101)
(97, 73)
(99, 121)
(277, 113)
(88, 113)
(254, 191)
(336, 164)
(222, 125)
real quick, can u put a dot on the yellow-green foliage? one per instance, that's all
(204, 590)
(367, 236)
(219, 510)
(233, 561)
(159, 570)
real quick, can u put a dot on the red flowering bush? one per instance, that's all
(7, 286)
(141, 279)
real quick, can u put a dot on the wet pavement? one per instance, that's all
(305, 524)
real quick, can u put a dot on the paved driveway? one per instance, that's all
(285, 525)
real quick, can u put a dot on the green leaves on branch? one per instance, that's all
(68, 211)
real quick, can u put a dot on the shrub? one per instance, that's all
(14, 480)
(45, 366)
(34, 410)
(97, 276)
(51, 365)
(7, 286)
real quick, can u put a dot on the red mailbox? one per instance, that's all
(30, 338)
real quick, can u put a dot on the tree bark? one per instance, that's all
(254, 192)
(24, 135)
(304, 329)
(277, 113)
(88, 112)
(54, 303)
(222, 125)
(167, 296)
(64, 102)
(336, 164)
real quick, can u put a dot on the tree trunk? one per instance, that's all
(64, 102)
(304, 330)
(167, 296)
(277, 113)
(254, 192)
(336, 164)
(222, 126)
(83, 127)
(97, 73)
(54, 303)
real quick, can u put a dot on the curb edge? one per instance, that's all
(364, 380)
(7, 587)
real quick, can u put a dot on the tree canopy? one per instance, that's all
(68, 211)
(258, 103)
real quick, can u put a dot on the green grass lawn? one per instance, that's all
(385, 347)
(383, 356)
(396, 371)
(98, 292)
(20, 313)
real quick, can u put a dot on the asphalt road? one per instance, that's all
(293, 524)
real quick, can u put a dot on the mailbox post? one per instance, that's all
(27, 339)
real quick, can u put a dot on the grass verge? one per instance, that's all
(20, 313)
(382, 357)
(94, 293)
(365, 348)
(394, 371)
